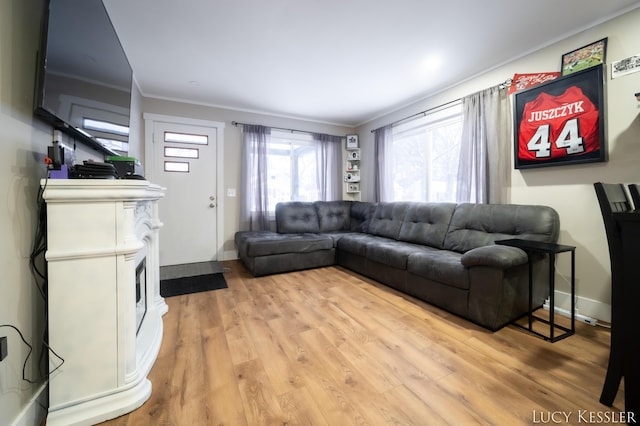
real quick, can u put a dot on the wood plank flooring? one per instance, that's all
(329, 347)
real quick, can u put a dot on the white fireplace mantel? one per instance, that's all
(98, 233)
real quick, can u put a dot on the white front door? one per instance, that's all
(185, 163)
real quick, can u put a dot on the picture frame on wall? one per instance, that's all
(561, 122)
(588, 56)
(352, 142)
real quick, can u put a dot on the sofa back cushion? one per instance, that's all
(333, 215)
(477, 225)
(387, 219)
(296, 217)
(427, 223)
(361, 214)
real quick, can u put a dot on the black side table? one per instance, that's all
(551, 249)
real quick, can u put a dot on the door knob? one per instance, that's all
(212, 205)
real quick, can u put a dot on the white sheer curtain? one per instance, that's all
(328, 166)
(383, 185)
(254, 202)
(484, 151)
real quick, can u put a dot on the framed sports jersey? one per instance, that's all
(561, 122)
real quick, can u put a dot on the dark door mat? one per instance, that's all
(194, 284)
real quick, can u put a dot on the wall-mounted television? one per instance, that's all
(84, 79)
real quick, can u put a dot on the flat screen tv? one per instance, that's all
(84, 79)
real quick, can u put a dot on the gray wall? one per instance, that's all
(22, 147)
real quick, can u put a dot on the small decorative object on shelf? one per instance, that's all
(352, 142)
(352, 170)
(352, 177)
(353, 188)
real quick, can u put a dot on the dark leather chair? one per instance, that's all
(613, 199)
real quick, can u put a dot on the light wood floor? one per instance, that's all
(329, 347)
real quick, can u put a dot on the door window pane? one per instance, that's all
(186, 138)
(176, 166)
(181, 152)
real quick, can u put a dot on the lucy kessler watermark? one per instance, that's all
(584, 417)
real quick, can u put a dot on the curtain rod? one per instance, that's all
(502, 85)
(235, 123)
(421, 113)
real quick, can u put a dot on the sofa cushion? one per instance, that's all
(273, 243)
(477, 225)
(354, 243)
(426, 223)
(391, 252)
(387, 219)
(296, 217)
(333, 215)
(361, 214)
(443, 266)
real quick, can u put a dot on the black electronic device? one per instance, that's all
(94, 170)
(83, 74)
(55, 152)
(127, 167)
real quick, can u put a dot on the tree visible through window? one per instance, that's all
(425, 155)
(291, 165)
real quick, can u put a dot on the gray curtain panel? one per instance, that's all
(484, 151)
(328, 166)
(254, 202)
(383, 186)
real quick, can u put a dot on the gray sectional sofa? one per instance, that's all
(442, 253)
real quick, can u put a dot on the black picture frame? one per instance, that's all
(561, 122)
(587, 56)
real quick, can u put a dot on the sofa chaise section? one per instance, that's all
(305, 236)
(265, 252)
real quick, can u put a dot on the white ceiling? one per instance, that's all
(336, 61)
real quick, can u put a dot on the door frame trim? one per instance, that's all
(149, 121)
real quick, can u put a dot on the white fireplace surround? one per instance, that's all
(98, 231)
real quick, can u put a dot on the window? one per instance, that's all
(425, 155)
(109, 134)
(291, 165)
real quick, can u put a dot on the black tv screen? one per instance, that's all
(84, 77)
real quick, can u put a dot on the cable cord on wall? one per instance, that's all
(576, 299)
(24, 366)
(41, 282)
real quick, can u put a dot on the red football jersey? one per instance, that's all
(558, 126)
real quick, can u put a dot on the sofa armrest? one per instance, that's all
(497, 256)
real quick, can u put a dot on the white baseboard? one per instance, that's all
(36, 409)
(587, 310)
(229, 255)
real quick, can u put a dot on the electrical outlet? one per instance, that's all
(3, 348)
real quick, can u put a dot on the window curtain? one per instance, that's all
(484, 150)
(383, 186)
(254, 203)
(328, 166)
